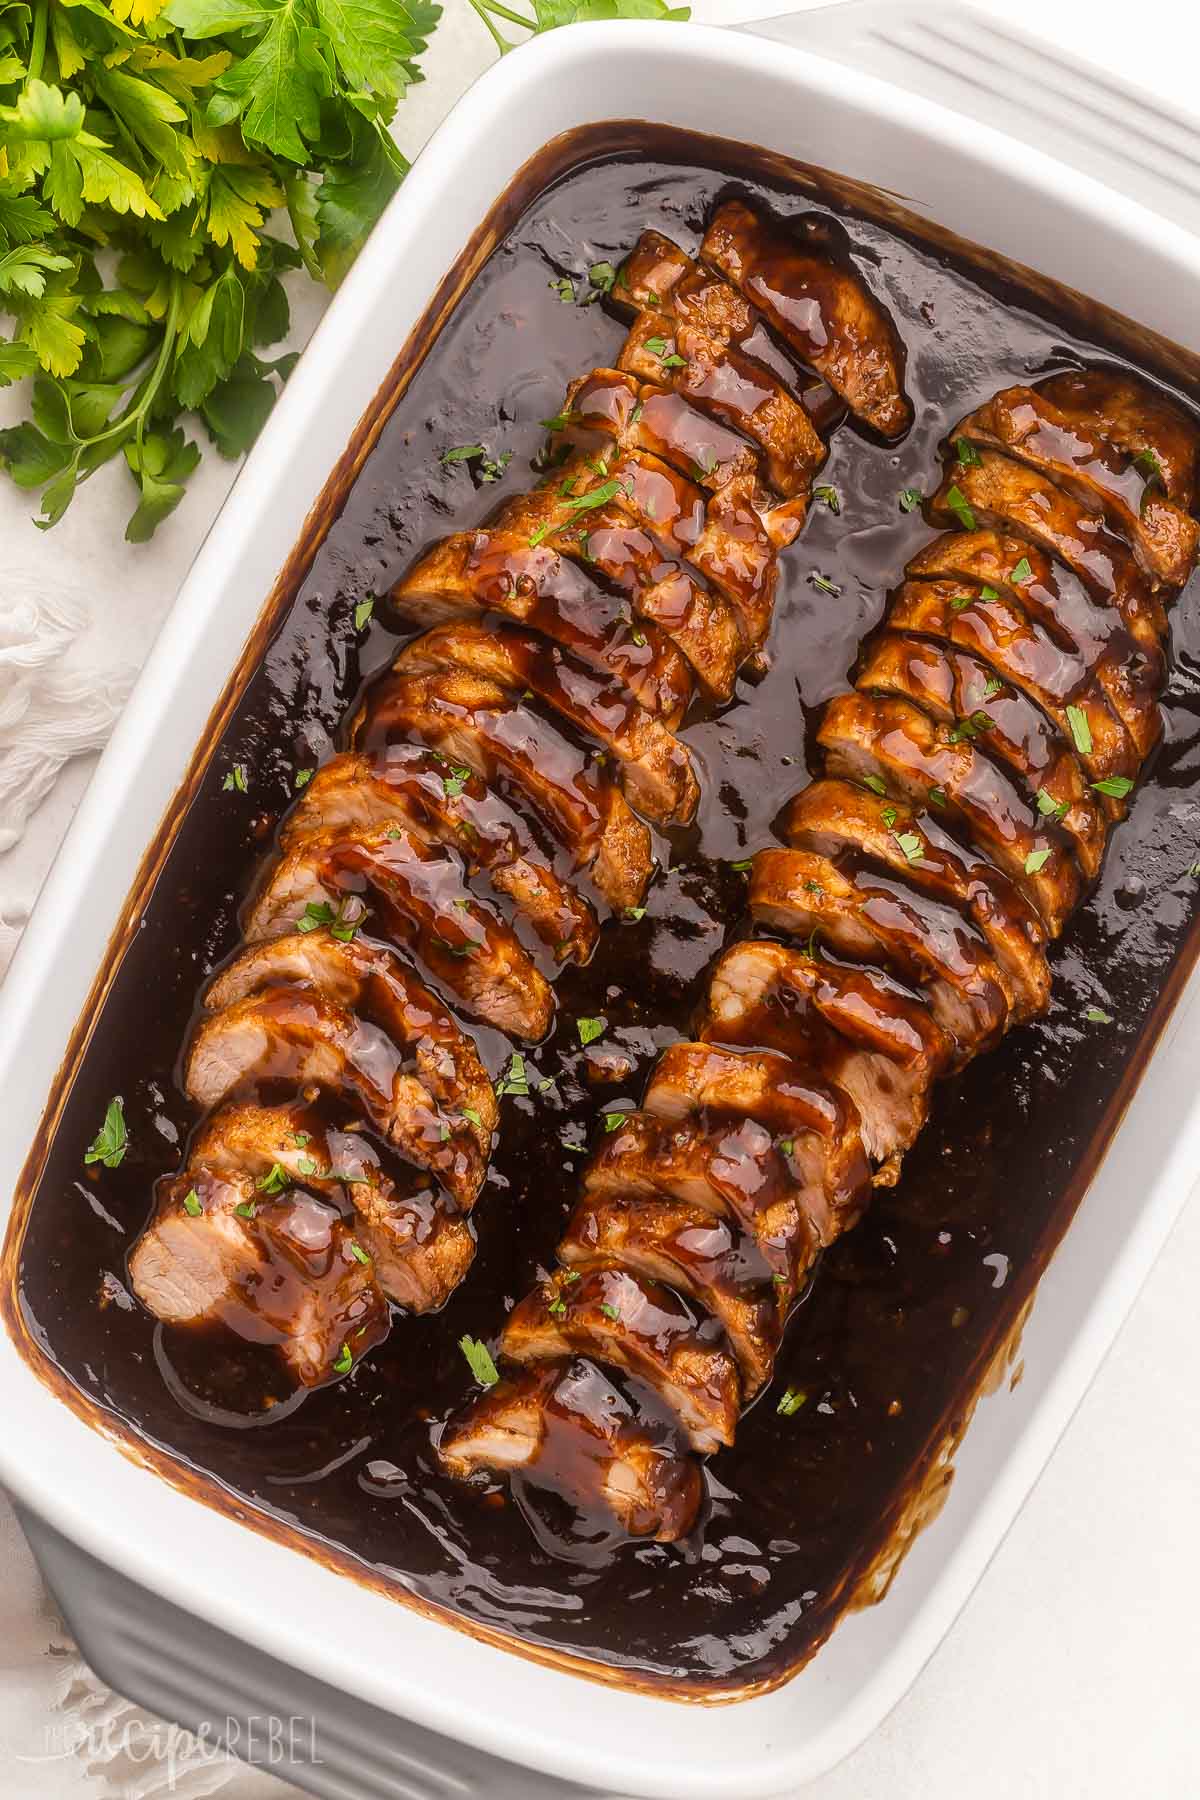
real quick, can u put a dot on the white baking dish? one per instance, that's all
(101, 1521)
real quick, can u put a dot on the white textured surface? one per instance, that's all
(1074, 1668)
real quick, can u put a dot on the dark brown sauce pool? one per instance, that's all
(905, 1309)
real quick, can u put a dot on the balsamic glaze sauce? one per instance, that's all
(905, 1309)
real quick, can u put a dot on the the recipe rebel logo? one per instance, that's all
(119, 1746)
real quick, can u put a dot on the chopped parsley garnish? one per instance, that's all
(597, 496)
(362, 613)
(992, 687)
(463, 453)
(344, 1361)
(112, 1140)
(1081, 731)
(788, 1146)
(246, 1210)
(889, 815)
(602, 275)
(609, 1310)
(613, 1121)
(1023, 573)
(472, 1117)
(358, 1253)
(1115, 786)
(236, 779)
(960, 602)
(479, 1358)
(590, 1029)
(911, 845)
(968, 456)
(300, 1138)
(875, 784)
(306, 1165)
(988, 592)
(303, 777)
(823, 582)
(454, 783)
(564, 287)
(492, 467)
(1096, 1015)
(274, 1181)
(910, 499)
(829, 496)
(639, 638)
(1148, 463)
(956, 500)
(635, 415)
(191, 1203)
(315, 914)
(634, 913)
(467, 948)
(514, 1079)
(971, 727)
(937, 796)
(790, 1401)
(658, 346)
(344, 921)
(556, 1307)
(559, 422)
(1194, 871)
(1036, 860)
(1049, 807)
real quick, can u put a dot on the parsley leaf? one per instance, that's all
(479, 1360)
(590, 1029)
(112, 1140)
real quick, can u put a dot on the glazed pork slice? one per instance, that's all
(882, 1041)
(370, 980)
(571, 1429)
(709, 1259)
(656, 768)
(891, 741)
(299, 1037)
(1027, 425)
(1136, 418)
(481, 726)
(839, 818)
(812, 1117)
(279, 1271)
(413, 1239)
(994, 490)
(735, 1169)
(981, 619)
(872, 915)
(612, 1316)
(422, 894)
(965, 695)
(1129, 671)
(445, 803)
(716, 378)
(823, 310)
(496, 570)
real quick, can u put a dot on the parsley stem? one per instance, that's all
(136, 413)
(513, 18)
(502, 43)
(37, 46)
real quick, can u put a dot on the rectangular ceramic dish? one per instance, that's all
(181, 1605)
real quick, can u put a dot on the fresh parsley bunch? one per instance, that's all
(144, 145)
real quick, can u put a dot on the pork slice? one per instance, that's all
(656, 768)
(415, 1241)
(298, 1037)
(962, 693)
(820, 306)
(709, 1259)
(368, 978)
(495, 569)
(570, 1429)
(836, 817)
(612, 1316)
(1026, 424)
(479, 725)
(1136, 418)
(447, 803)
(875, 916)
(893, 743)
(278, 1271)
(421, 893)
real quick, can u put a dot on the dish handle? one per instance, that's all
(977, 64)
